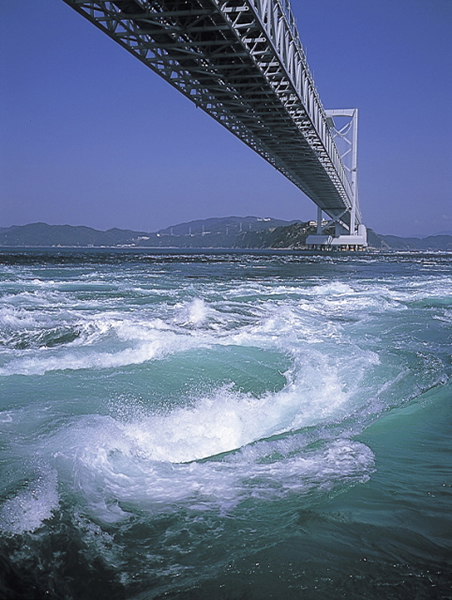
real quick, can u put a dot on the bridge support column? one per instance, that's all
(349, 232)
(319, 220)
(346, 139)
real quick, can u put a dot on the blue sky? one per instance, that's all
(90, 136)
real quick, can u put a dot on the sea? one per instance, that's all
(225, 425)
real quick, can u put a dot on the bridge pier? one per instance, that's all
(341, 242)
(356, 239)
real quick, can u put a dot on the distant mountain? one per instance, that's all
(221, 232)
(223, 225)
(41, 234)
(432, 242)
(218, 232)
(291, 236)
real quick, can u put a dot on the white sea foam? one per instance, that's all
(220, 449)
(194, 313)
(285, 326)
(88, 360)
(228, 421)
(145, 340)
(31, 506)
(6, 416)
(333, 288)
(14, 317)
(36, 298)
(117, 470)
(217, 447)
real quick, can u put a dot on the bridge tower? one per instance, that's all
(345, 136)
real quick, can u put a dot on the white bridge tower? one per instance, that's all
(345, 136)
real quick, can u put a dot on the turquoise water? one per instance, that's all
(225, 425)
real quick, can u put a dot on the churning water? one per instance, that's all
(225, 425)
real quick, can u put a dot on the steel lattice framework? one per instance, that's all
(242, 62)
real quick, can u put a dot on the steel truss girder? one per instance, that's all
(242, 62)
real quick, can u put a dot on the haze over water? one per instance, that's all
(225, 425)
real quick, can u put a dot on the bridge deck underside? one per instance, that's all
(205, 53)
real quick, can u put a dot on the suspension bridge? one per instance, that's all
(242, 62)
